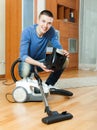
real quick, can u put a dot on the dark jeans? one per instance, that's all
(26, 69)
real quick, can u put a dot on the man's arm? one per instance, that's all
(30, 60)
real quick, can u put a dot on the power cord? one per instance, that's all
(5, 82)
(9, 94)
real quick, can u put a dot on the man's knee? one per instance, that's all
(24, 69)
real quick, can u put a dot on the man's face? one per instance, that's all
(44, 23)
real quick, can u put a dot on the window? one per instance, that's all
(27, 13)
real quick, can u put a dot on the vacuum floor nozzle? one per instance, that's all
(56, 117)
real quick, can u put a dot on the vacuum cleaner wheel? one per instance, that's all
(19, 94)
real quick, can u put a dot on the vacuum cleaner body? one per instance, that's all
(27, 90)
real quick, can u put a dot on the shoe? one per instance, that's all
(51, 86)
(45, 88)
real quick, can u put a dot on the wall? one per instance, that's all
(2, 37)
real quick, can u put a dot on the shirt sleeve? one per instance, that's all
(55, 39)
(24, 44)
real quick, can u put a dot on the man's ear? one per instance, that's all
(37, 20)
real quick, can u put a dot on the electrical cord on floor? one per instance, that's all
(9, 94)
(2, 79)
(5, 82)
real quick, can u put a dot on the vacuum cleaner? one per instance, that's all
(27, 89)
(33, 90)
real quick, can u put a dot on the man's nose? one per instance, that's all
(45, 24)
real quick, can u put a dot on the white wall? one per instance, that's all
(2, 37)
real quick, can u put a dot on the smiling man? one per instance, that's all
(33, 47)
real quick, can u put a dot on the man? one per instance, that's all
(33, 47)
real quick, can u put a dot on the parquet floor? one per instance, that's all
(27, 116)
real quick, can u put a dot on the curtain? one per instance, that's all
(88, 35)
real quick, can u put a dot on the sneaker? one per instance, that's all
(48, 87)
(51, 86)
(45, 88)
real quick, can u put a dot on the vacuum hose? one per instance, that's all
(13, 67)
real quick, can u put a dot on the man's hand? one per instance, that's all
(45, 68)
(66, 53)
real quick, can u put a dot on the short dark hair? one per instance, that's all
(46, 12)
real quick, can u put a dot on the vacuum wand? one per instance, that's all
(47, 109)
(53, 116)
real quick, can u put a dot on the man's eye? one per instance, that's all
(49, 23)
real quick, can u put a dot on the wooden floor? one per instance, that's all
(27, 116)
